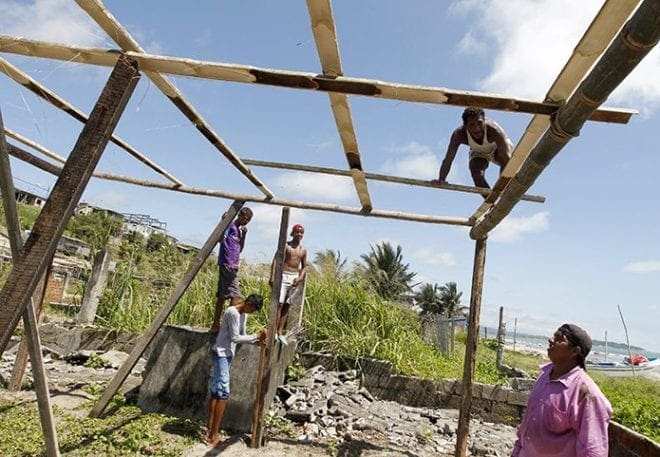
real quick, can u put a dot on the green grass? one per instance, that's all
(126, 430)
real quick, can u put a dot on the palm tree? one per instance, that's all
(385, 271)
(428, 299)
(450, 299)
(329, 263)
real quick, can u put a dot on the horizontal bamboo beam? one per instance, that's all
(325, 36)
(51, 97)
(48, 167)
(609, 20)
(294, 79)
(640, 34)
(97, 11)
(380, 177)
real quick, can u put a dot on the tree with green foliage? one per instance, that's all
(428, 298)
(156, 241)
(450, 300)
(384, 270)
(330, 264)
(95, 228)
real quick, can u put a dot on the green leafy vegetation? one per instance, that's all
(126, 430)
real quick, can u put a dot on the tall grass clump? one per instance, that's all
(347, 319)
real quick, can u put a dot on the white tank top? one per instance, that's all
(485, 147)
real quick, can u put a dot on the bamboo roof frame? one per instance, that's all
(325, 35)
(120, 35)
(605, 25)
(51, 97)
(636, 39)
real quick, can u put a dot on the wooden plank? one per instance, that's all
(295, 79)
(631, 45)
(598, 36)
(167, 308)
(266, 361)
(471, 347)
(325, 35)
(51, 97)
(385, 214)
(52, 220)
(384, 178)
(29, 315)
(120, 35)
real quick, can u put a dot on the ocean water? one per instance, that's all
(615, 351)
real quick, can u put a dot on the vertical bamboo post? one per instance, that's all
(625, 328)
(29, 316)
(20, 363)
(471, 347)
(501, 332)
(167, 308)
(49, 226)
(266, 358)
(515, 331)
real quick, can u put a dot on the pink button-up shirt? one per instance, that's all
(565, 417)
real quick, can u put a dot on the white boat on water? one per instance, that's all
(640, 364)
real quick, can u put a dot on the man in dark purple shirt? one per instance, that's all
(231, 245)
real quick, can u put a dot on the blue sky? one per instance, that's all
(592, 246)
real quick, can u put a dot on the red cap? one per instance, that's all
(296, 227)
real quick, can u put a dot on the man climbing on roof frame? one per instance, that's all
(487, 141)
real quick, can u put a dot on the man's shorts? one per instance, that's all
(219, 380)
(228, 283)
(287, 280)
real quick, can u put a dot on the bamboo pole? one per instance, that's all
(141, 346)
(625, 328)
(29, 315)
(66, 193)
(471, 348)
(97, 11)
(325, 36)
(631, 45)
(607, 22)
(383, 178)
(294, 79)
(58, 102)
(385, 214)
(266, 359)
(20, 363)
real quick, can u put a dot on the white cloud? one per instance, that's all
(643, 267)
(110, 200)
(434, 256)
(512, 228)
(533, 40)
(317, 186)
(61, 21)
(267, 218)
(414, 160)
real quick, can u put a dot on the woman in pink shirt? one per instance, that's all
(567, 415)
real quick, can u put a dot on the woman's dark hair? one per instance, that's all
(255, 300)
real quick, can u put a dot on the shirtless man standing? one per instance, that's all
(295, 266)
(487, 142)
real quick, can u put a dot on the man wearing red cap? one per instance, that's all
(567, 415)
(293, 273)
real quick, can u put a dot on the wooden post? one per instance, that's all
(501, 332)
(29, 316)
(49, 226)
(266, 359)
(165, 311)
(471, 347)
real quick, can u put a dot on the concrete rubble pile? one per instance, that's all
(331, 406)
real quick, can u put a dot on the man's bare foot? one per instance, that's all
(212, 441)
